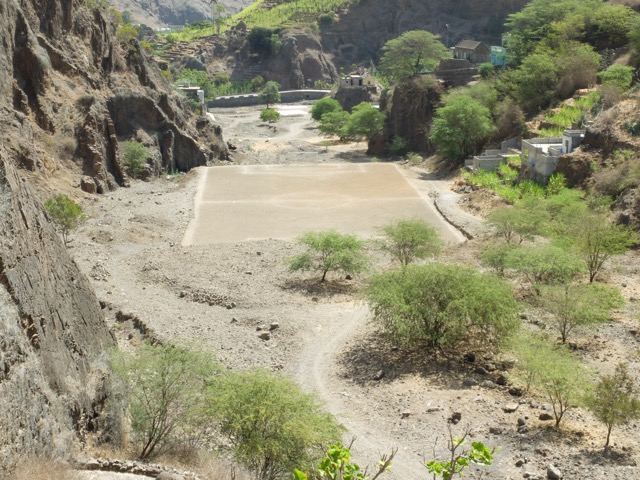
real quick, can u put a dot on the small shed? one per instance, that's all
(475, 52)
(358, 80)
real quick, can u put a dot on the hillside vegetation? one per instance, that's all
(287, 13)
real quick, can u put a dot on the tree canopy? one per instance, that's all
(412, 52)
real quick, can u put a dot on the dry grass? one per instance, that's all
(44, 469)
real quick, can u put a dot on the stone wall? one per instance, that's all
(251, 99)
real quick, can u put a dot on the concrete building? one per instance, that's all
(540, 156)
(358, 80)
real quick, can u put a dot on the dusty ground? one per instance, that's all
(218, 295)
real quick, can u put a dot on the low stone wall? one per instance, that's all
(251, 99)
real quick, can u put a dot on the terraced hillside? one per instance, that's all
(287, 13)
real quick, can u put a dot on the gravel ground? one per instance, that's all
(217, 296)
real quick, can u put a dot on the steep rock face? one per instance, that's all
(300, 62)
(411, 114)
(69, 94)
(67, 68)
(362, 30)
(53, 336)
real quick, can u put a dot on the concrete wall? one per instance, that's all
(488, 163)
(251, 99)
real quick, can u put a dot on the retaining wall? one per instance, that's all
(251, 99)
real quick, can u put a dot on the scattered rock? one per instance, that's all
(265, 336)
(516, 391)
(510, 407)
(469, 357)
(520, 462)
(169, 476)
(488, 384)
(496, 430)
(521, 422)
(470, 382)
(553, 472)
(545, 417)
(481, 370)
(379, 375)
(501, 380)
(455, 417)
(88, 184)
(274, 326)
(405, 414)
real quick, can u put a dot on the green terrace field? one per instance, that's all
(286, 13)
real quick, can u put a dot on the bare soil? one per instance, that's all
(222, 296)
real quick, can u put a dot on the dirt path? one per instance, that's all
(317, 372)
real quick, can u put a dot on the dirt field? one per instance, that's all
(227, 276)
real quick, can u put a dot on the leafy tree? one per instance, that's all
(496, 256)
(460, 458)
(270, 93)
(537, 20)
(619, 76)
(412, 52)
(257, 83)
(520, 222)
(535, 81)
(407, 240)
(335, 123)
(135, 157)
(365, 122)
(609, 26)
(460, 127)
(553, 370)
(573, 306)
(272, 425)
(330, 251)
(269, 115)
(614, 400)
(544, 264)
(324, 105)
(578, 66)
(165, 386)
(65, 214)
(597, 240)
(442, 305)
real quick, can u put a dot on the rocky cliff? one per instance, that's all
(69, 94)
(409, 114)
(362, 30)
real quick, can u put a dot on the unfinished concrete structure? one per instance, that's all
(540, 155)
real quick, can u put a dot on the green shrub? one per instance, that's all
(442, 306)
(269, 115)
(330, 251)
(326, 20)
(335, 123)
(135, 157)
(407, 240)
(65, 214)
(271, 424)
(324, 105)
(126, 32)
(165, 387)
(619, 76)
(399, 146)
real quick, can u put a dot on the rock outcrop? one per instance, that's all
(410, 114)
(70, 93)
(87, 93)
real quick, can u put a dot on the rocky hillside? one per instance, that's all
(159, 13)
(359, 33)
(69, 95)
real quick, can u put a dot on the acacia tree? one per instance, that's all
(573, 306)
(330, 251)
(460, 127)
(442, 305)
(412, 52)
(273, 426)
(365, 122)
(165, 389)
(597, 240)
(614, 400)
(65, 214)
(270, 93)
(407, 240)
